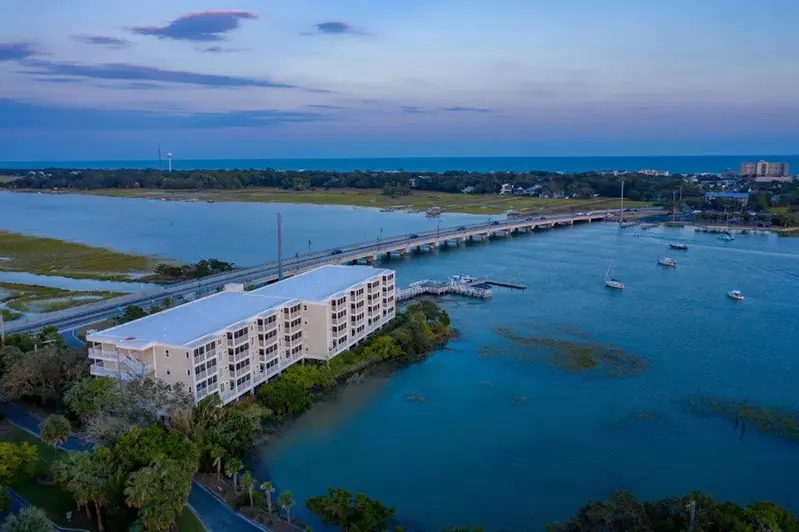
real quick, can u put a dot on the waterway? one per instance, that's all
(504, 439)
(67, 283)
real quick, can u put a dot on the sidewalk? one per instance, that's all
(216, 515)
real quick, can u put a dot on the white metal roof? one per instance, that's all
(182, 324)
(321, 283)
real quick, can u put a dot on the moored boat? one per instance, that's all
(736, 295)
(612, 282)
(668, 262)
(678, 246)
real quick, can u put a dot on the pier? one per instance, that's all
(440, 288)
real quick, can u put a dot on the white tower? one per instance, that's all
(169, 161)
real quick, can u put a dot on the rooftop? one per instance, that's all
(182, 324)
(321, 283)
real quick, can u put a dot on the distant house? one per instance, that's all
(468, 190)
(507, 188)
(412, 182)
(740, 197)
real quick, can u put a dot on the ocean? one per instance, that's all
(674, 164)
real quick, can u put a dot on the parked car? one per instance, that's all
(336, 252)
(461, 228)
(414, 235)
(495, 222)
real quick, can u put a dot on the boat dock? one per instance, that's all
(515, 286)
(439, 288)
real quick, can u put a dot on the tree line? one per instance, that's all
(394, 183)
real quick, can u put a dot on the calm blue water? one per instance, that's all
(677, 164)
(474, 453)
(56, 281)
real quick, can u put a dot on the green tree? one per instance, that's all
(30, 519)
(286, 501)
(55, 430)
(217, 453)
(43, 375)
(248, 484)
(232, 468)
(88, 396)
(160, 492)
(131, 312)
(17, 461)
(86, 476)
(357, 513)
(268, 490)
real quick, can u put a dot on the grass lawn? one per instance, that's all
(34, 298)
(417, 200)
(50, 256)
(55, 502)
(188, 522)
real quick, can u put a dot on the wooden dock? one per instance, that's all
(515, 286)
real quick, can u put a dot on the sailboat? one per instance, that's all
(727, 236)
(612, 282)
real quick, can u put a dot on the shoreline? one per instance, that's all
(418, 201)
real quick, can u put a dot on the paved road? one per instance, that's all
(86, 314)
(215, 514)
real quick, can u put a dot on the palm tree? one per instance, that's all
(30, 519)
(85, 476)
(232, 468)
(217, 453)
(286, 501)
(55, 430)
(248, 484)
(268, 490)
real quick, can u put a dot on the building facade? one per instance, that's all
(765, 171)
(230, 342)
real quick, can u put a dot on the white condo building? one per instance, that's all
(232, 341)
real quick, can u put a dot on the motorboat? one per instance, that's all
(612, 282)
(727, 237)
(736, 295)
(668, 262)
(679, 246)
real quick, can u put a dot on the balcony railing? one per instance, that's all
(240, 356)
(134, 365)
(123, 372)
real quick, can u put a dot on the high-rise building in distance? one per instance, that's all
(765, 170)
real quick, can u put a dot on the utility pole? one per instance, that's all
(673, 205)
(279, 248)
(691, 515)
(621, 204)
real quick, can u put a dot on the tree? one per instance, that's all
(286, 501)
(55, 430)
(248, 484)
(160, 492)
(131, 312)
(17, 460)
(232, 468)
(30, 519)
(356, 513)
(86, 476)
(43, 375)
(268, 490)
(88, 396)
(217, 453)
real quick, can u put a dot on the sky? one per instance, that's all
(100, 80)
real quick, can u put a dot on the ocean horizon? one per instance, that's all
(674, 164)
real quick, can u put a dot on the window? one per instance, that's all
(167, 353)
(168, 370)
(188, 372)
(305, 307)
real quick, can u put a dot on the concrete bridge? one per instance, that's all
(370, 251)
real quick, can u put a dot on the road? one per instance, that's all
(84, 315)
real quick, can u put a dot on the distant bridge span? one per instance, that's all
(265, 273)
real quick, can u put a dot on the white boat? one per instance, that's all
(678, 246)
(727, 237)
(612, 282)
(668, 262)
(736, 295)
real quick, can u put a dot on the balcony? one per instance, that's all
(238, 341)
(239, 357)
(228, 395)
(124, 372)
(240, 372)
(127, 363)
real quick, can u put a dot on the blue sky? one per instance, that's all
(92, 79)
